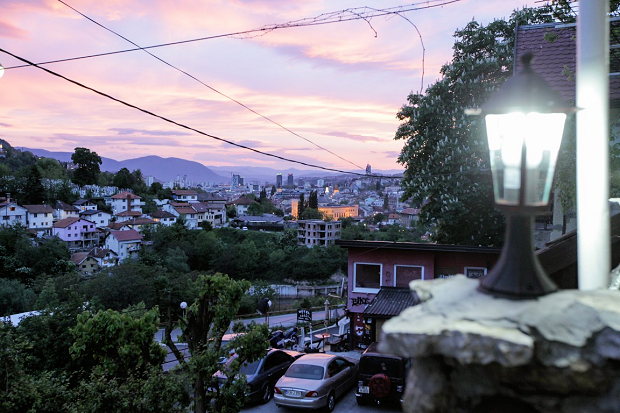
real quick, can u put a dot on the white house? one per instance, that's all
(126, 201)
(101, 218)
(79, 234)
(85, 205)
(126, 244)
(12, 214)
(63, 210)
(184, 195)
(40, 219)
(163, 217)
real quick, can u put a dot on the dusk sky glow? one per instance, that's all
(335, 84)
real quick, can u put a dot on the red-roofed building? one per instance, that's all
(126, 244)
(163, 217)
(126, 201)
(185, 195)
(79, 234)
(127, 215)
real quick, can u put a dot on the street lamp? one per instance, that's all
(524, 122)
(183, 306)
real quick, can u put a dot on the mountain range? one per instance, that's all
(167, 169)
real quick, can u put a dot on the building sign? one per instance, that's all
(304, 315)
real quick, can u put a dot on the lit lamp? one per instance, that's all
(524, 122)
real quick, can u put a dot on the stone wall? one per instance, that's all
(472, 352)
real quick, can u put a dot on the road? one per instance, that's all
(346, 404)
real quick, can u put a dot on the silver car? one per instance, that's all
(315, 381)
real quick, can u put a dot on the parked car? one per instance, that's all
(315, 381)
(262, 374)
(380, 377)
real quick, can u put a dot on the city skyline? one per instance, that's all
(338, 85)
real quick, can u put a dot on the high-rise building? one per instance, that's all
(236, 180)
(241, 181)
(289, 181)
(279, 181)
(320, 183)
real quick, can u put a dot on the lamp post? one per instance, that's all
(525, 122)
(183, 306)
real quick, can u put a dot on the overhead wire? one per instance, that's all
(200, 132)
(212, 88)
(300, 23)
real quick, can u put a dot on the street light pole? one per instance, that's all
(592, 77)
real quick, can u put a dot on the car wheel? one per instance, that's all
(331, 402)
(267, 393)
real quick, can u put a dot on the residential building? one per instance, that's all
(312, 232)
(79, 234)
(85, 205)
(163, 217)
(12, 214)
(242, 204)
(126, 244)
(63, 210)
(126, 201)
(184, 195)
(373, 265)
(265, 222)
(140, 223)
(127, 215)
(213, 214)
(84, 262)
(104, 257)
(185, 212)
(39, 219)
(409, 217)
(100, 218)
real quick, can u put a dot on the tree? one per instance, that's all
(445, 155)
(123, 179)
(263, 195)
(51, 169)
(87, 170)
(33, 191)
(206, 321)
(301, 205)
(311, 213)
(313, 201)
(273, 190)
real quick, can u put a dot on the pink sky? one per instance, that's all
(337, 85)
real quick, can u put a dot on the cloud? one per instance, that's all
(8, 30)
(131, 131)
(363, 138)
(6, 125)
(98, 140)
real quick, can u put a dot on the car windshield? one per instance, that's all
(249, 368)
(388, 366)
(305, 371)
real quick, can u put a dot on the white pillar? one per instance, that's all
(593, 236)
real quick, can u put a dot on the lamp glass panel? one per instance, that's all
(513, 137)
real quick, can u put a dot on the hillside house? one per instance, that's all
(79, 234)
(63, 210)
(85, 205)
(126, 201)
(12, 214)
(40, 219)
(163, 217)
(100, 218)
(126, 244)
(84, 263)
(127, 215)
(373, 265)
(185, 195)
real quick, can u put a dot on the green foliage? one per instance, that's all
(51, 169)
(87, 170)
(313, 200)
(311, 213)
(445, 153)
(32, 191)
(117, 344)
(15, 297)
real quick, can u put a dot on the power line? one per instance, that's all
(200, 132)
(210, 87)
(148, 112)
(326, 18)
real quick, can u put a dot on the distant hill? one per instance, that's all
(164, 169)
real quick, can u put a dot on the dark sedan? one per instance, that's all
(262, 374)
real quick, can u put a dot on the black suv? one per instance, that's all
(381, 377)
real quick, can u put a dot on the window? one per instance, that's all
(35, 215)
(367, 277)
(475, 272)
(403, 274)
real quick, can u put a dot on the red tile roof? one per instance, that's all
(63, 223)
(39, 209)
(129, 235)
(184, 192)
(125, 195)
(161, 214)
(129, 214)
(554, 48)
(185, 210)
